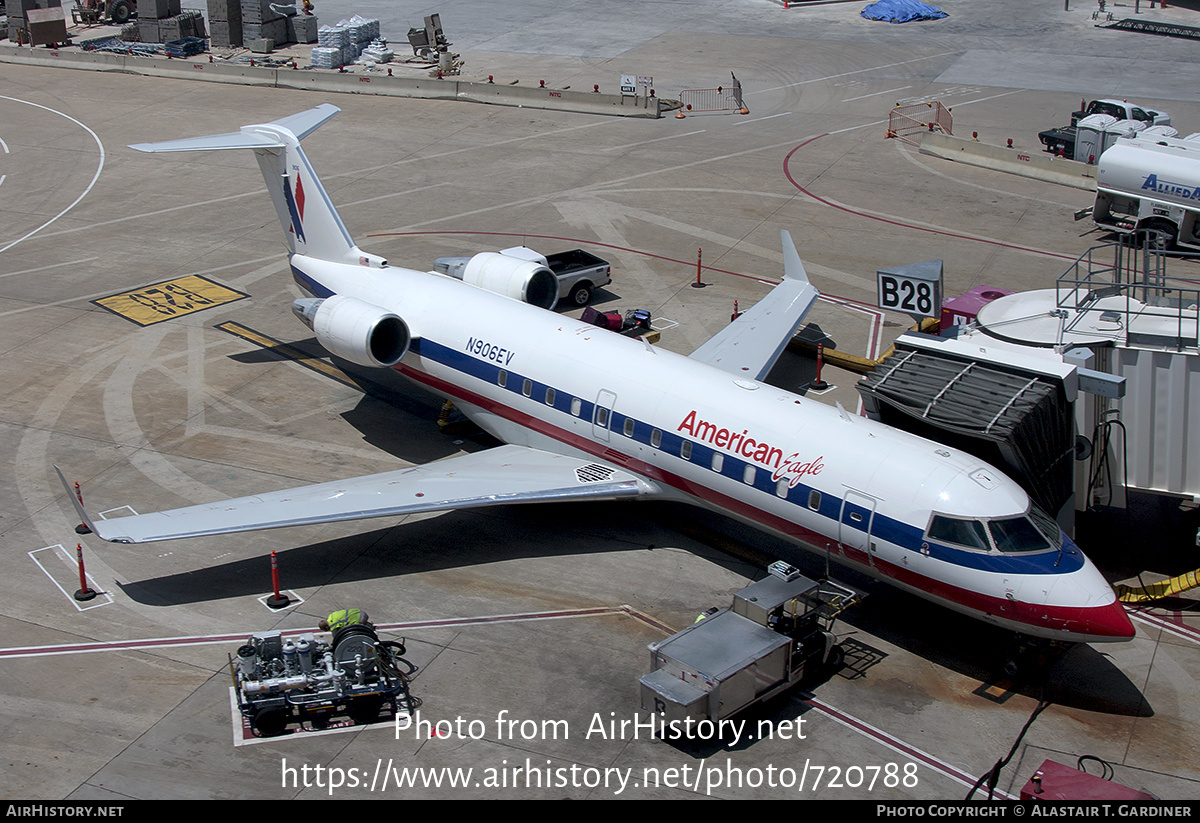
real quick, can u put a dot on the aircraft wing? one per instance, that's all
(499, 476)
(750, 345)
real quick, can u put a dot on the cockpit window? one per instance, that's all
(1032, 532)
(1014, 535)
(1047, 525)
(969, 533)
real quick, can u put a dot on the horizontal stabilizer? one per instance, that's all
(310, 223)
(250, 137)
(499, 476)
(751, 344)
(232, 140)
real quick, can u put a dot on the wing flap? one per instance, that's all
(750, 345)
(499, 476)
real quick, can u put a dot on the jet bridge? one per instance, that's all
(1104, 367)
(1015, 413)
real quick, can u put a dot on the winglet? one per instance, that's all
(751, 344)
(793, 269)
(80, 510)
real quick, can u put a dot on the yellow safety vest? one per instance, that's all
(345, 617)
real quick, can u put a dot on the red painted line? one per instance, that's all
(1171, 622)
(690, 263)
(788, 173)
(202, 640)
(897, 745)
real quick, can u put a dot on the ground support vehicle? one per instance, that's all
(1151, 186)
(94, 12)
(1061, 140)
(578, 273)
(777, 633)
(284, 682)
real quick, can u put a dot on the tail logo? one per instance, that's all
(295, 206)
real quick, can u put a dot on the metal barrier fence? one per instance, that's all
(719, 99)
(920, 117)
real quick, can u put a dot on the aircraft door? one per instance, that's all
(602, 414)
(854, 527)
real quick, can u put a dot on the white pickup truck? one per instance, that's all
(1061, 140)
(577, 272)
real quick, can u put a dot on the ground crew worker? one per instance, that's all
(342, 618)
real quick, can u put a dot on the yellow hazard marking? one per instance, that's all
(1157, 591)
(169, 299)
(290, 352)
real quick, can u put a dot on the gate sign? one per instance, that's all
(628, 85)
(915, 289)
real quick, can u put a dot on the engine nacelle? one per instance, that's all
(356, 331)
(526, 280)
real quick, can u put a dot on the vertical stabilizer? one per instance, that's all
(310, 222)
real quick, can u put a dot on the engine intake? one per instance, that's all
(529, 281)
(354, 330)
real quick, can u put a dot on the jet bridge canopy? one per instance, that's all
(1019, 421)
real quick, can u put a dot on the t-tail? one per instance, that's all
(310, 222)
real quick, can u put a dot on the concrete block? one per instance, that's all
(157, 9)
(256, 11)
(225, 11)
(169, 29)
(275, 30)
(148, 31)
(301, 29)
(226, 33)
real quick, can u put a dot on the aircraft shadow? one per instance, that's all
(1082, 677)
(399, 417)
(395, 415)
(453, 540)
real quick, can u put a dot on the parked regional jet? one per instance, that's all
(588, 414)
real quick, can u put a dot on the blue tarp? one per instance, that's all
(902, 11)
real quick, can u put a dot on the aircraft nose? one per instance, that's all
(1111, 621)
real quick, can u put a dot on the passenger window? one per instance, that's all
(601, 417)
(527, 387)
(685, 449)
(718, 461)
(629, 426)
(576, 406)
(781, 488)
(656, 438)
(814, 500)
(502, 378)
(550, 397)
(748, 476)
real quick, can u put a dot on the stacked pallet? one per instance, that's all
(342, 44)
(331, 41)
(225, 20)
(301, 28)
(265, 20)
(163, 21)
(150, 12)
(186, 46)
(18, 16)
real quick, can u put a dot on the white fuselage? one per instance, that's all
(839, 484)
